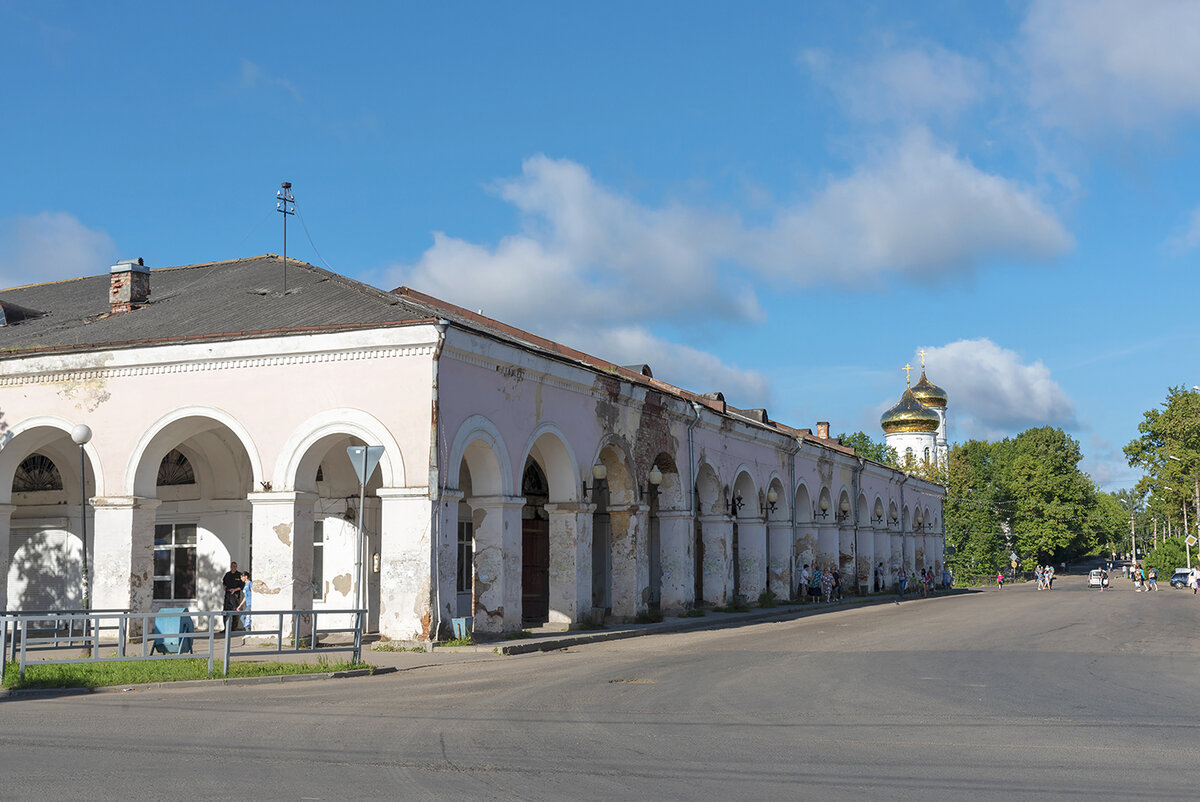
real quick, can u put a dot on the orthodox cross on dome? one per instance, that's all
(907, 371)
(922, 355)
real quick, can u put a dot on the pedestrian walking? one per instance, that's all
(999, 580)
(1152, 579)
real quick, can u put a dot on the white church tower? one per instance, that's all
(916, 427)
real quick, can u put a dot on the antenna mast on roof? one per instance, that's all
(285, 204)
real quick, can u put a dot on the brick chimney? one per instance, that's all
(823, 429)
(129, 285)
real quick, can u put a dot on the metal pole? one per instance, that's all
(358, 564)
(83, 523)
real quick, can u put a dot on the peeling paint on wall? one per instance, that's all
(342, 583)
(284, 533)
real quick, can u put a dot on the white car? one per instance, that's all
(1096, 578)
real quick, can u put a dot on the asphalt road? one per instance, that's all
(997, 694)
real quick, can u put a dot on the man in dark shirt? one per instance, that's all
(233, 594)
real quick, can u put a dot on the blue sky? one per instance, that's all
(781, 201)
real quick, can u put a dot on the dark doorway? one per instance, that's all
(535, 548)
(601, 552)
(654, 549)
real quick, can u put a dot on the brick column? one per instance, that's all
(570, 561)
(405, 552)
(498, 570)
(752, 557)
(779, 541)
(675, 536)
(122, 553)
(282, 533)
(630, 562)
(717, 534)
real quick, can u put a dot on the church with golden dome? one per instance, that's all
(916, 426)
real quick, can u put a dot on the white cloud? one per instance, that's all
(993, 394)
(253, 75)
(587, 259)
(916, 209)
(909, 85)
(1099, 63)
(1189, 237)
(51, 246)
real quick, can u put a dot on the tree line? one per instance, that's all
(1023, 495)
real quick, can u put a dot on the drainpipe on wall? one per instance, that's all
(435, 494)
(692, 461)
(792, 505)
(903, 532)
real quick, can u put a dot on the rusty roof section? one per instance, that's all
(484, 324)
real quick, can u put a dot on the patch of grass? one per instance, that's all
(98, 675)
(648, 617)
(392, 646)
(524, 633)
(695, 612)
(590, 626)
(467, 641)
(736, 605)
(766, 599)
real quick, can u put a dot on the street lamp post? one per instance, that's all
(82, 435)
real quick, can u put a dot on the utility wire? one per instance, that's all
(310, 242)
(237, 248)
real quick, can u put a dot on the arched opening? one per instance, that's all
(487, 519)
(201, 472)
(44, 551)
(535, 547)
(343, 566)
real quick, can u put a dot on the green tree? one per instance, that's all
(974, 537)
(1052, 501)
(1168, 450)
(879, 451)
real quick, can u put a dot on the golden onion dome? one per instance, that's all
(929, 393)
(910, 415)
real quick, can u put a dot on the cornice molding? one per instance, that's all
(202, 365)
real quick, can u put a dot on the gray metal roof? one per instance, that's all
(219, 300)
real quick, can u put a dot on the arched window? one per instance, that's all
(36, 472)
(927, 454)
(175, 470)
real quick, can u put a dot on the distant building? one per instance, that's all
(522, 483)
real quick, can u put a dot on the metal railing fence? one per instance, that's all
(24, 635)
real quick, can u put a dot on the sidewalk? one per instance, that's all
(545, 640)
(410, 656)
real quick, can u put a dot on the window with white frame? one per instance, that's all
(174, 562)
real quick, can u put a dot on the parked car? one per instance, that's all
(1179, 578)
(1096, 578)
